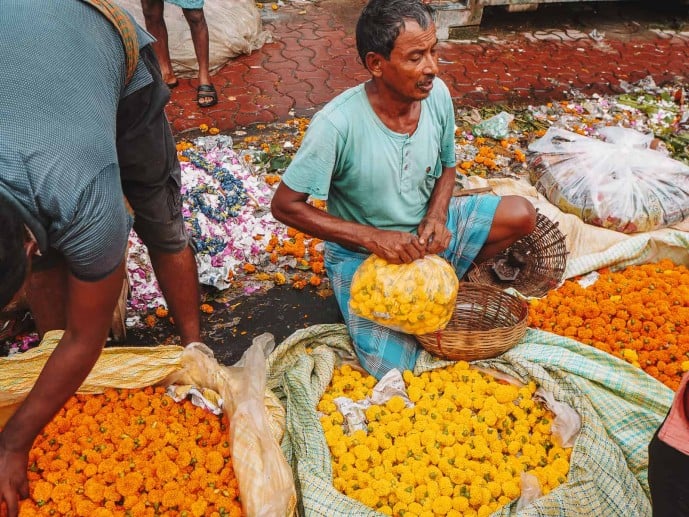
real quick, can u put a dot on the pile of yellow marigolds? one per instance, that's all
(640, 314)
(459, 451)
(132, 453)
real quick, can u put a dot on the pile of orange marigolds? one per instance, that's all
(640, 314)
(132, 453)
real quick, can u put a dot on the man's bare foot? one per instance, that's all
(206, 96)
(171, 81)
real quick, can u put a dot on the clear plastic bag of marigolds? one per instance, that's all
(415, 298)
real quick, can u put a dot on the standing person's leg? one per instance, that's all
(151, 180)
(207, 96)
(155, 24)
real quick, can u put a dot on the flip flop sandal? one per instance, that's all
(205, 91)
(173, 84)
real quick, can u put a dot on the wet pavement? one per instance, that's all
(517, 59)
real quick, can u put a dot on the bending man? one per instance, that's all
(82, 125)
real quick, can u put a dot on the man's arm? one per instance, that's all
(291, 208)
(89, 311)
(433, 234)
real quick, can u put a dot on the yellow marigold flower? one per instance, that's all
(461, 504)
(347, 458)
(414, 393)
(395, 404)
(506, 393)
(405, 494)
(373, 412)
(393, 428)
(203, 128)
(368, 496)
(511, 489)
(442, 505)
(484, 511)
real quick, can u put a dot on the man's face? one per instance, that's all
(413, 63)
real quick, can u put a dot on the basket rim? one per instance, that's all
(540, 277)
(474, 344)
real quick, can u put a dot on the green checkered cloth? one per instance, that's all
(620, 408)
(620, 405)
(638, 249)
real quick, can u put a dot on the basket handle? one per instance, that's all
(438, 336)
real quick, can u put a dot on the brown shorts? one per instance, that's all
(149, 168)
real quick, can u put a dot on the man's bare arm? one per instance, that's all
(291, 208)
(433, 234)
(89, 313)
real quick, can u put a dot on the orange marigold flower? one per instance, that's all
(172, 498)
(166, 470)
(161, 312)
(206, 308)
(214, 462)
(41, 491)
(94, 490)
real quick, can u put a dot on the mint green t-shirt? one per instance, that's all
(368, 173)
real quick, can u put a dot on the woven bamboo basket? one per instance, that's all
(486, 322)
(543, 257)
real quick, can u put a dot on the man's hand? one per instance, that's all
(14, 484)
(434, 235)
(397, 247)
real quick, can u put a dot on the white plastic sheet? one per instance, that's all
(234, 28)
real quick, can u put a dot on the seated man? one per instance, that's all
(383, 155)
(83, 125)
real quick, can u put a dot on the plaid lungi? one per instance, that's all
(379, 348)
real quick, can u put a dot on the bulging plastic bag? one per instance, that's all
(266, 485)
(415, 298)
(620, 183)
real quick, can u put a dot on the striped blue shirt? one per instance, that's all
(62, 75)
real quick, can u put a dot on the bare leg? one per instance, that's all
(47, 296)
(178, 279)
(514, 219)
(199, 35)
(155, 24)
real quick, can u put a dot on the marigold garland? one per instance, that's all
(640, 314)
(459, 451)
(132, 453)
